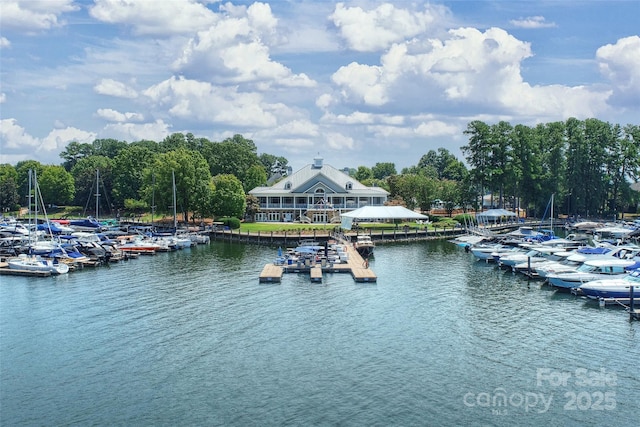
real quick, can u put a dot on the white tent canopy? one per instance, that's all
(494, 215)
(379, 212)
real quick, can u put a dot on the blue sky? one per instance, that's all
(358, 82)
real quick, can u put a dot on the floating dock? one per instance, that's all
(271, 273)
(5, 270)
(355, 264)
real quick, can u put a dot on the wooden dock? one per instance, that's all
(316, 274)
(271, 273)
(6, 271)
(356, 265)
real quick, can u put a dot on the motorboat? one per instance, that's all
(614, 288)
(532, 256)
(593, 269)
(139, 245)
(364, 245)
(531, 265)
(486, 251)
(89, 224)
(36, 263)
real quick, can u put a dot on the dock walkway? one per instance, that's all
(355, 265)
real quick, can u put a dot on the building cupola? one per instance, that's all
(317, 162)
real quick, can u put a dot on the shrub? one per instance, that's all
(231, 222)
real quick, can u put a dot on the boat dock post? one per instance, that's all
(633, 313)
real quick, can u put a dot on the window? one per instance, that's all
(349, 186)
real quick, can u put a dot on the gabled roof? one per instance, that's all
(307, 177)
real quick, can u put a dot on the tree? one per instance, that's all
(192, 183)
(233, 156)
(74, 152)
(108, 147)
(255, 177)
(253, 206)
(128, 169)
(9, 196)
(477, 153)
(363, 173)
(228, 197)
(383, 170)
(56, 185)
(93, 176)
(23, 168)
(173, 142)
(273, 164)
(448, 193)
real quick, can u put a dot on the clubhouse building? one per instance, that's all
(317, 193)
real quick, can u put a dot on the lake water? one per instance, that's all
(192, 338)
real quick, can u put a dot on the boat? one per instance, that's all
(364, 245)
(138, 244)
(89, 224)
(593, 269)
(536, 255)
(26, 262)
(614, 288)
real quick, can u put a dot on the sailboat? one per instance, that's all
(180, 242)
(31, 261)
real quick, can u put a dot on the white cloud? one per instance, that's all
(155, 131)
(436, 128)
(233, 50)
(194, 100)
(620, 64)
(362, 118)
(377, 29)
(14, 138)
(362, 83)
(299, 128)
(115, 88)
(29, 15)
(472, 67)
(155, 17)
(4, 42)
(116, 116)
(532, 22)
(339, 141)
(3, 98)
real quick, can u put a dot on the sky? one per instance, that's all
(354, 82)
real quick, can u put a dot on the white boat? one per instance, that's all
(534, 255)
(532, 265)
(593, 269)
(364, 245)
(139, 245)
(35, 263)
(486, 251)
(614, 288)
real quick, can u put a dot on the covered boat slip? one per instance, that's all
(354, 264)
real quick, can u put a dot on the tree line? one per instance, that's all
(589, 165)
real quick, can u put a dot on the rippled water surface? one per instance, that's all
(192, 338)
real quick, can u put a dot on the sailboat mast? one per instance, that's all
(29, 196)
(175, 218)
(552, 211)
(97, 192)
